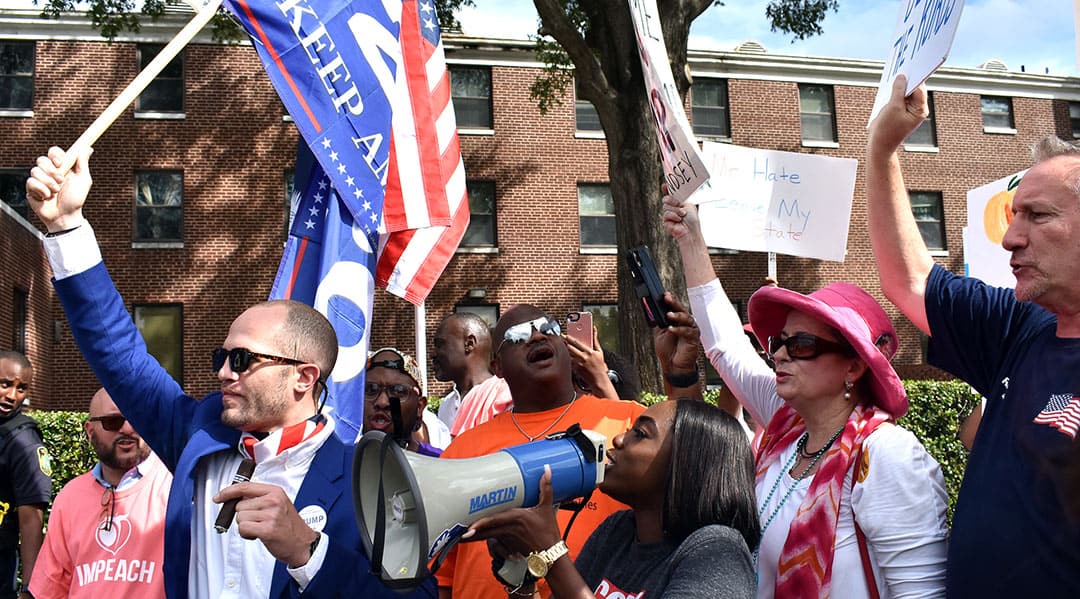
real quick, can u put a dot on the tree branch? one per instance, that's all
(555, 23)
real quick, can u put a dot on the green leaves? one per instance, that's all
(66, 439)
(801, 18)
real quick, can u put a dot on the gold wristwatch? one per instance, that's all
(540, 562)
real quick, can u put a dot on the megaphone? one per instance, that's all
(412, 509)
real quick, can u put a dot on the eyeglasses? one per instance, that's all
(804, 346)
(110, 423)
(108, 505)
(372, 390)
(240, 359)
(521, 332)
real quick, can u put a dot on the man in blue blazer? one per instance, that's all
(295, 532)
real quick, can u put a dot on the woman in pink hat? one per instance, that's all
(851, 505)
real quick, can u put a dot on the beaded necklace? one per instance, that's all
(800, 450)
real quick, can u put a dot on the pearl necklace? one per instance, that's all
(532, 438)
(800, 449)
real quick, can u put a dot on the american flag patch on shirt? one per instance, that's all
(1061, 412)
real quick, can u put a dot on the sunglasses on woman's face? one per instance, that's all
(520, 333)
(804, 346)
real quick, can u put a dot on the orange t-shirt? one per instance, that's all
(467, 570)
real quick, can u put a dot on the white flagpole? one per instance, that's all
(137, 85)
(421, 345)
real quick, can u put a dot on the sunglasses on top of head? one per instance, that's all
(804, 346)
(521, 332)
(240, 359)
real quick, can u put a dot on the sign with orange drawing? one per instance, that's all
(989, 210)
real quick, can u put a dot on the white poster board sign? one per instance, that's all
(772, 201)
(989, 212)
(684, 170)
(924, 34)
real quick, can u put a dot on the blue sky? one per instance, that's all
(1038, 34)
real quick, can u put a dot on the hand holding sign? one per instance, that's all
(924, 35)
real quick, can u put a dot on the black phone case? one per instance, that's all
(647, 285)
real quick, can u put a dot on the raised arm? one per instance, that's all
(903, 261)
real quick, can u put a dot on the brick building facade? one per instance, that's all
(228, 147)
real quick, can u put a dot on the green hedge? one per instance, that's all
(70, 449)
(937, 408)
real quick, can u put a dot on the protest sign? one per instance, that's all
(989, 212)
(684, 170)
(772, 201)
(924, 34)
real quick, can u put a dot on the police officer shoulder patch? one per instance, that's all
(44, 461)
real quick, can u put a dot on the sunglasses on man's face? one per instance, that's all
(521, 332)
(804, 346)
(111, 423)
(240, 359)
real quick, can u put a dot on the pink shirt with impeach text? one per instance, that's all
(80, 559)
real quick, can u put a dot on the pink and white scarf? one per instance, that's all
(805, 565)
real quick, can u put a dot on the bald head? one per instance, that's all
(304, 333)
(102, 403)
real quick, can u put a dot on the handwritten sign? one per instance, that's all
(924, 34)
(684, 170)
(772, 201)
(989, 212)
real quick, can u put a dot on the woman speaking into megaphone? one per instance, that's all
(687, 473)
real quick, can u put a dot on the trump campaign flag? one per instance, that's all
(334, 64)
(365, 81)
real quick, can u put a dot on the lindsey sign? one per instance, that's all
(684, 171)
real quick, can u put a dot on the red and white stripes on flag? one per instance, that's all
(425, 210)
(1061, 412)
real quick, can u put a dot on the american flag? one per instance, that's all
(1061, 412)
(425, 208)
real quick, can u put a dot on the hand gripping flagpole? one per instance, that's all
(137, 85)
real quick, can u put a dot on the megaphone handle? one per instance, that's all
(380, 518)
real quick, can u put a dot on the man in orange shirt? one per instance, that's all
(532, 356)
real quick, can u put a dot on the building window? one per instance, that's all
(159, 205)
(488, 312)
(925, 136)
(1074, 118)
(929, 215)
(482, 230)
(19, 313)
(997, 112)
(709, 108)
(605, 318)
(16, 75)
(162, 328)
(13, 190)
(166, 92)
(585, 114)
(596, 210)
(470, 89)
(817, 113)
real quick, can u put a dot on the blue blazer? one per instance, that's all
(183, 430)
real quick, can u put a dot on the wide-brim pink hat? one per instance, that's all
(850, 310)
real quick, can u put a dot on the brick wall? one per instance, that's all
(234, 149)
